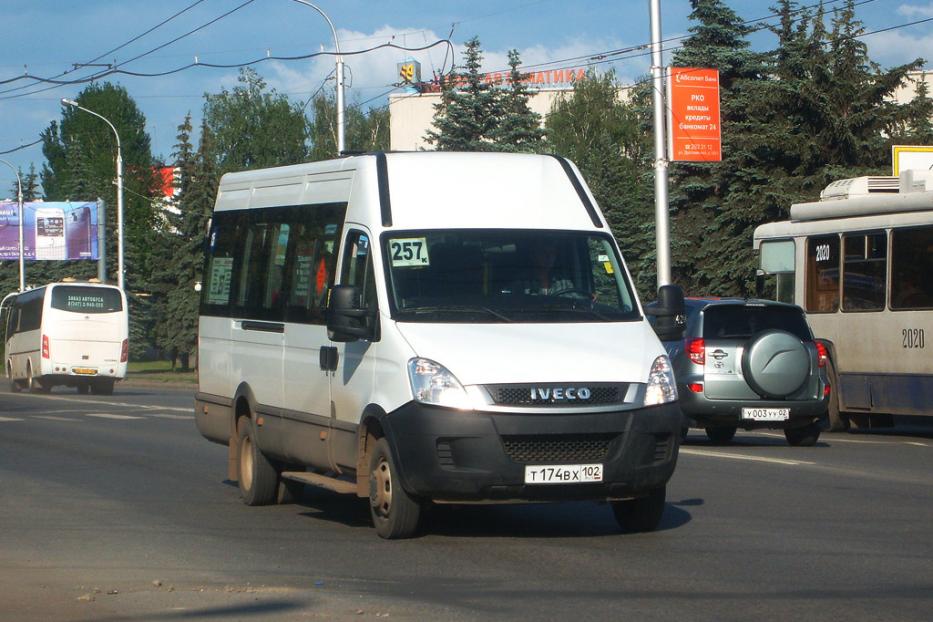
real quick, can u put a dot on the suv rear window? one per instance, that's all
(79, 299)
(742, 321)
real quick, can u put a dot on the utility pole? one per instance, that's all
(19, 200)
(341, 121)
(661, 216)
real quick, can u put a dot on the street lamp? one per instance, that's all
(19, 199)
(74, 104)
(340, 112)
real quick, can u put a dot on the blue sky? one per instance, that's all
(48, 36)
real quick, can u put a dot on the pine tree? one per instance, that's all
(30, 182)
(519, 128)
(920, 124)
(470, 108)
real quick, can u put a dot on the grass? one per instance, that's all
(158, 371)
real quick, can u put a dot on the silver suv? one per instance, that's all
(750, 364)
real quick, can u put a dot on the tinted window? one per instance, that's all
(743, 321)
(822, 274)
(29, 306)
(358, 268)
(911, 267)
(80, 299)
(864, 272)
(273, 263)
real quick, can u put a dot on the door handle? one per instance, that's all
(328, 358)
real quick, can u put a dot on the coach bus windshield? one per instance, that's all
(479, 275)
(83, 299)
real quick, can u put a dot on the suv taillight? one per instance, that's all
(125, 351)
(696, 351)
(821, 354)
(46, 350)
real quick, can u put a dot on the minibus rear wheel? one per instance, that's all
(258, 479)
(641, 514)
(395, 513)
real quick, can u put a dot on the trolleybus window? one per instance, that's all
(911, 266)
(822, 274)
(864, 271)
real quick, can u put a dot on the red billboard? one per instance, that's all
(693, 115)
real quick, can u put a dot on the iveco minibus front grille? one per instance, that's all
(558, 449)
(569, 394)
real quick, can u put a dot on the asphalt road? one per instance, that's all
(115, 508)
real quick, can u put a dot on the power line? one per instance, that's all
(20, 147)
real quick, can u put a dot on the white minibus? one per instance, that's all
(432, 327)
(69, 333)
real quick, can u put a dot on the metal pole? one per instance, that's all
(101, 241)
(19, 200)
(341, 121)
(120, 271)
(662, 221)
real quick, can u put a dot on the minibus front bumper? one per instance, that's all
(451, 455)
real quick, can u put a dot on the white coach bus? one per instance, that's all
(419, 327)
(860, 262)
(69, 333)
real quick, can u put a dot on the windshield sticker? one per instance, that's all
(218, 292)
(408, 252)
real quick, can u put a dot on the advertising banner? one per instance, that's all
(51, 230)
(693, 115)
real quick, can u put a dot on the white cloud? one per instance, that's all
(898, 46)
(916, 10)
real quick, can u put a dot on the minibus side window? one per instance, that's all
(312, 261)
(216, 295)
(358, 267)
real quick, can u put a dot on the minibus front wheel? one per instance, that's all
(258, 479)
(395, 513)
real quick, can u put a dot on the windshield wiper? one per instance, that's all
(575, 309)
(457, 309)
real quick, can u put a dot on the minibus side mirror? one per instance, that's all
(670, 313)
(347, 319)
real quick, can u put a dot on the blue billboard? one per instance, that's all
(52, 231)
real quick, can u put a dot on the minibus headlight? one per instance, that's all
(431, 383)
(661, 385)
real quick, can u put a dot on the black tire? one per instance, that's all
(15, 385)
(838, 422)
(102, 387)
(805, 436)
(641, 514)
(721, 435)
(83, 388)
(257, 478)
(395, 513)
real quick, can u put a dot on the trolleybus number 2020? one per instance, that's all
(913, 338)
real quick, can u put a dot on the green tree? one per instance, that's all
(605, 137)
(519, 128)
(365, 131)
(254, 127)
(30, 182)
(919, 127)
(470, 109)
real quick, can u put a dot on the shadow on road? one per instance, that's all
(264, 610)
(571, 519)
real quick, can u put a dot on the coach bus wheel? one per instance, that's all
(33, 384)
(395, 513)
(642, 514)
(258, 479)
(838, 422)
(83, 387)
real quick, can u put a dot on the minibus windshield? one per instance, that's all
(499, 276)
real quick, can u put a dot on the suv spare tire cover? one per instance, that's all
(775, 363)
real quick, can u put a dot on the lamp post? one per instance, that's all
(74, 104)
(19, 199)
(340, 108)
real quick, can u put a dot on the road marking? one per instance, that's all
(721, 454)
(111, 416)
(5, 419)
(164, 416)
(854, 441)
(53, 418)
(80, 400)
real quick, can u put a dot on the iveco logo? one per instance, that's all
(560, 393)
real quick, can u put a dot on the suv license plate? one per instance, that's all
(766, 414)
(563, 473)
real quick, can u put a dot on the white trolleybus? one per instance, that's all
(860, 262)
(69, 333)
